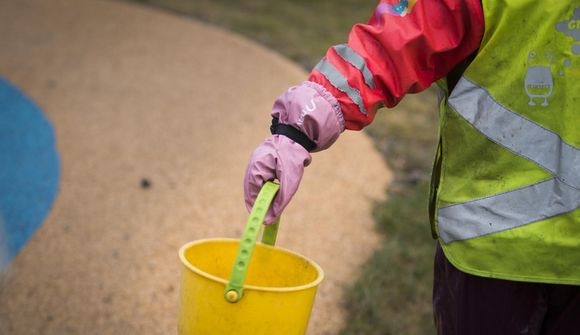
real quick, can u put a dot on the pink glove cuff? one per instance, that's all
(310, 108)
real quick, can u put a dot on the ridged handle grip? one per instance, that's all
(234, 289)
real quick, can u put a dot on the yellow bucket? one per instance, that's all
(223, 293)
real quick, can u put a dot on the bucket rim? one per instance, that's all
(188, 265)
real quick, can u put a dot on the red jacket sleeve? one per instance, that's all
(403, 49)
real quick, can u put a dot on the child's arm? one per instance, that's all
(398, 52)
(392, 55)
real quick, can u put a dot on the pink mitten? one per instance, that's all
(277, 158)
(305, 117)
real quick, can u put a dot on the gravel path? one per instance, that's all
(134, 93)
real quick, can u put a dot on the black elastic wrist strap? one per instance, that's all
(292, 133)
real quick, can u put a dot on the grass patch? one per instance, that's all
(393, 293)
(302, 30)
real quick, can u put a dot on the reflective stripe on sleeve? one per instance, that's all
(339, 81)
(357, 61)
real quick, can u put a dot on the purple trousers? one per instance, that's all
(469, 305)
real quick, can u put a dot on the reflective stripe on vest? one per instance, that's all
(339, 81)
(522, 206)
(356, 60)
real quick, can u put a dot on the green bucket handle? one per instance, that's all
(234, 288)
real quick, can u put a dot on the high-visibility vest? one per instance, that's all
(506, 184)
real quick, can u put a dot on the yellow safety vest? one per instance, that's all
(506, 185)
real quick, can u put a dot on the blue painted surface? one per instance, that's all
(29, 169)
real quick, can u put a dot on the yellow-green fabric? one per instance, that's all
(529, 63)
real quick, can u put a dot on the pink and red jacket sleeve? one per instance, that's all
(401, 50)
